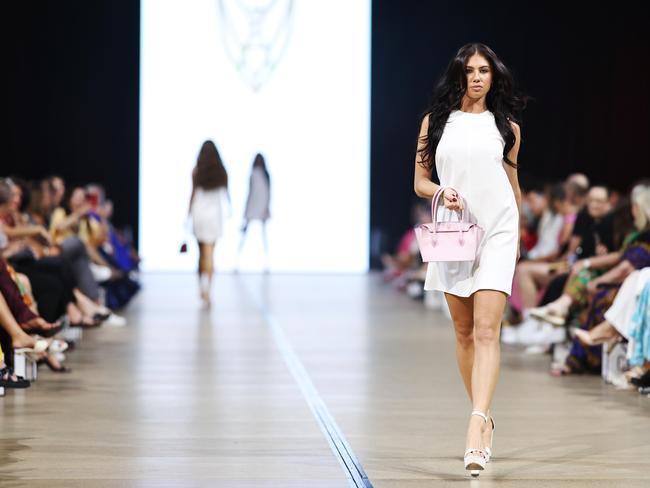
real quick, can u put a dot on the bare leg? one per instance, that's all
(603, 332)
(201, 270)
(209, 263)
(88, 306)
(462, 315)
(561, 305)
(489, 306)
(265, 241)
(530, 276)
(19, 338)
(206, 269)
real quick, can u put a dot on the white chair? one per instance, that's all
(25, 366)
(612, 364)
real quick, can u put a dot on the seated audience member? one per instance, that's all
(407, 256)
(625, 320)
(574, 294)
(56, 273)
(116, 249)
(554, 228)
(531, 277)
(577, 186)
(602, 289)
(95, 232)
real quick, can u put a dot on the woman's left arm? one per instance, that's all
(512, 173)
(615, 275)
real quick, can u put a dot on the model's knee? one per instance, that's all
(486, 332)
(465, 336)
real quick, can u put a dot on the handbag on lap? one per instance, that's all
(448, 241)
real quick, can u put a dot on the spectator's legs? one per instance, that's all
(74, 252)
(14, 336)
(530, 276)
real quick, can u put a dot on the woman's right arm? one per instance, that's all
(422, 184)
(189, 209)
(61, 222)
(29, 230)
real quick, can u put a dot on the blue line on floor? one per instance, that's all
(342, 450)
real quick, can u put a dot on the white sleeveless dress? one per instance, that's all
(469, 159)
(208, 214)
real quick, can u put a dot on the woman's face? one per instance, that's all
(59, 190)
(537, 202)
(77, 198)
(479, 76)
(558, 205)
(16, 198)
(46, 196)
(597, 202)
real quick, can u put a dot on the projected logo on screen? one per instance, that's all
(255, 34)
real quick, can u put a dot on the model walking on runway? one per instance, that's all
(471, 135)
(257, 204)
(209, 196)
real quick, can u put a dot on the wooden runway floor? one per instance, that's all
(304, 381)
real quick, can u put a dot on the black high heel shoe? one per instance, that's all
(84, 325)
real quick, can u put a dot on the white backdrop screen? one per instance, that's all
(287, 78)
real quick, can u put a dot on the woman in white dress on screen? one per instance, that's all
(470, 134)
(209, 197)
(257, 203)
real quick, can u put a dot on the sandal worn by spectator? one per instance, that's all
(551, 313)
(41, 327)
(636, 371)
(40, 346)
(51, 362)
(601, 334)
(9, 379)
(58, 345)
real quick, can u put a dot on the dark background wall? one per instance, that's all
(71, 100)
(588, 71)
(71, 96)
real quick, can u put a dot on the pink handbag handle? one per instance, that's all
(434, 207)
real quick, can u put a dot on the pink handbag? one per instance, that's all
(448, 241)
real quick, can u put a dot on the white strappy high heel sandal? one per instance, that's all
(489, 449)
(475, 458)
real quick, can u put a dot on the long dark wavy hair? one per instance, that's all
(209, 172)
(502, 100)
